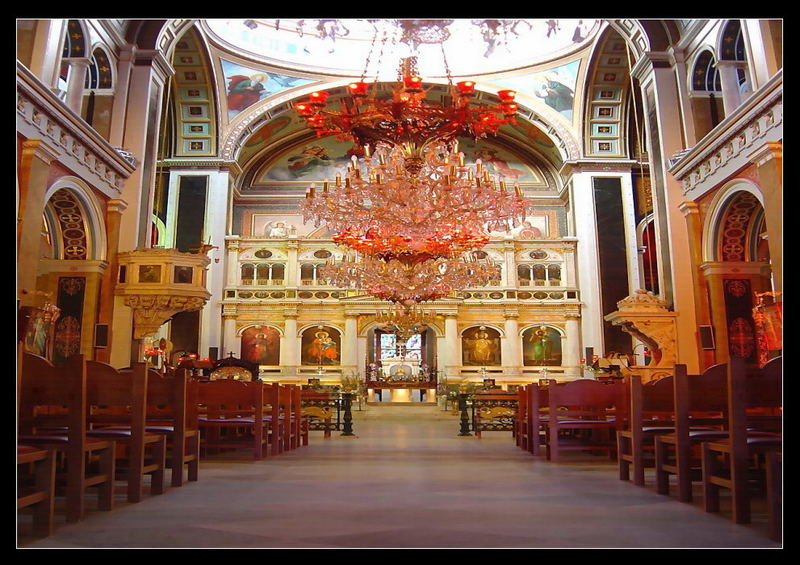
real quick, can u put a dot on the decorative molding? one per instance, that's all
(736, 142)
(68, 138)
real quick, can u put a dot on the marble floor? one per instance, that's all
(407, 481)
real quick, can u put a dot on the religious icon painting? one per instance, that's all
(480, 346)
(321, 345)
(261, 345)
(541, 346)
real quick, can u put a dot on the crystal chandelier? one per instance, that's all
(406, 117)
(408, 283)
(405, 321)
(392, 206)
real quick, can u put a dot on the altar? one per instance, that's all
(400, 380)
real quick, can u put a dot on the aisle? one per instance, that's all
(406, 481)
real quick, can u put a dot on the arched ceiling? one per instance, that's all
(287, 59)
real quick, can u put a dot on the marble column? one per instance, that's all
(290, 344)
(230, 341)
(452, 345)
(78, 67)
(512, 346)
(571, 345)
(769, 160)
(350, 342)
(588, 275)
(662, 120)
(729, 80)
(149, 72)
(114, 210)
(32, 175)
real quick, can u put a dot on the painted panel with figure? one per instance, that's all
(541, 346)
(261, 345)
(321, 345)
(480, 346)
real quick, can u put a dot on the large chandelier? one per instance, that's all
(398, 206)
(405, 117)
(405, 321)
(408, 283)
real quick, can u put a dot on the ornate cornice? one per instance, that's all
(72, 142)
(730, 146)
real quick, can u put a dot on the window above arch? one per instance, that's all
(705, 76)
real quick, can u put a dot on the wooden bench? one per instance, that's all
(53, 414)
(233, 417)
(729, 463)
(589, 413)
(172, 412)
(36, 486)
(700, 402)
(651, 414)
(118, 411)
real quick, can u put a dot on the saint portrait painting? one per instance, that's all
(261, 345)
(321, 346)
(481, 346)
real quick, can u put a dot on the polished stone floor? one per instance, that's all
(407, 481)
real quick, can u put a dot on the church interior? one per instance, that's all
(481, 283)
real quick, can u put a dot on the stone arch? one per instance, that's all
(244, 328)
(526, 327)
(733, 213)
(246, 123)
(78, 210)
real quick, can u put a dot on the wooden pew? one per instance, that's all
(172, 412)
(700, 402)
(651, 414)
(774, 480)
(36, 486)
(234, 417)
(118, 411)
(728, 463)
(530, 423)
(62, 388)
(589, 410)
(522, 419)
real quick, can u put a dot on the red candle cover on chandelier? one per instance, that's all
(319, 97)
(358, 88)
(506, 95)
(466, 87)
(412, 82)
(304, 109)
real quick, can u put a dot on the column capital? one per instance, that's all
(78, 61)
(770, 150)
(574, 316)
(116, 205)
(41, 149)
(689, 207)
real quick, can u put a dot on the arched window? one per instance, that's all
(309, 274)
(705, 76)
(248, 273)
(733, 49)
(99, 76)
(706, 93)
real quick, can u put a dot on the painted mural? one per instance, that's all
(246, 86)
(555, 87)
(541, 346)
(323, 159)
(321, 345)
(262, 137)
(261, 345)
(480, 346)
